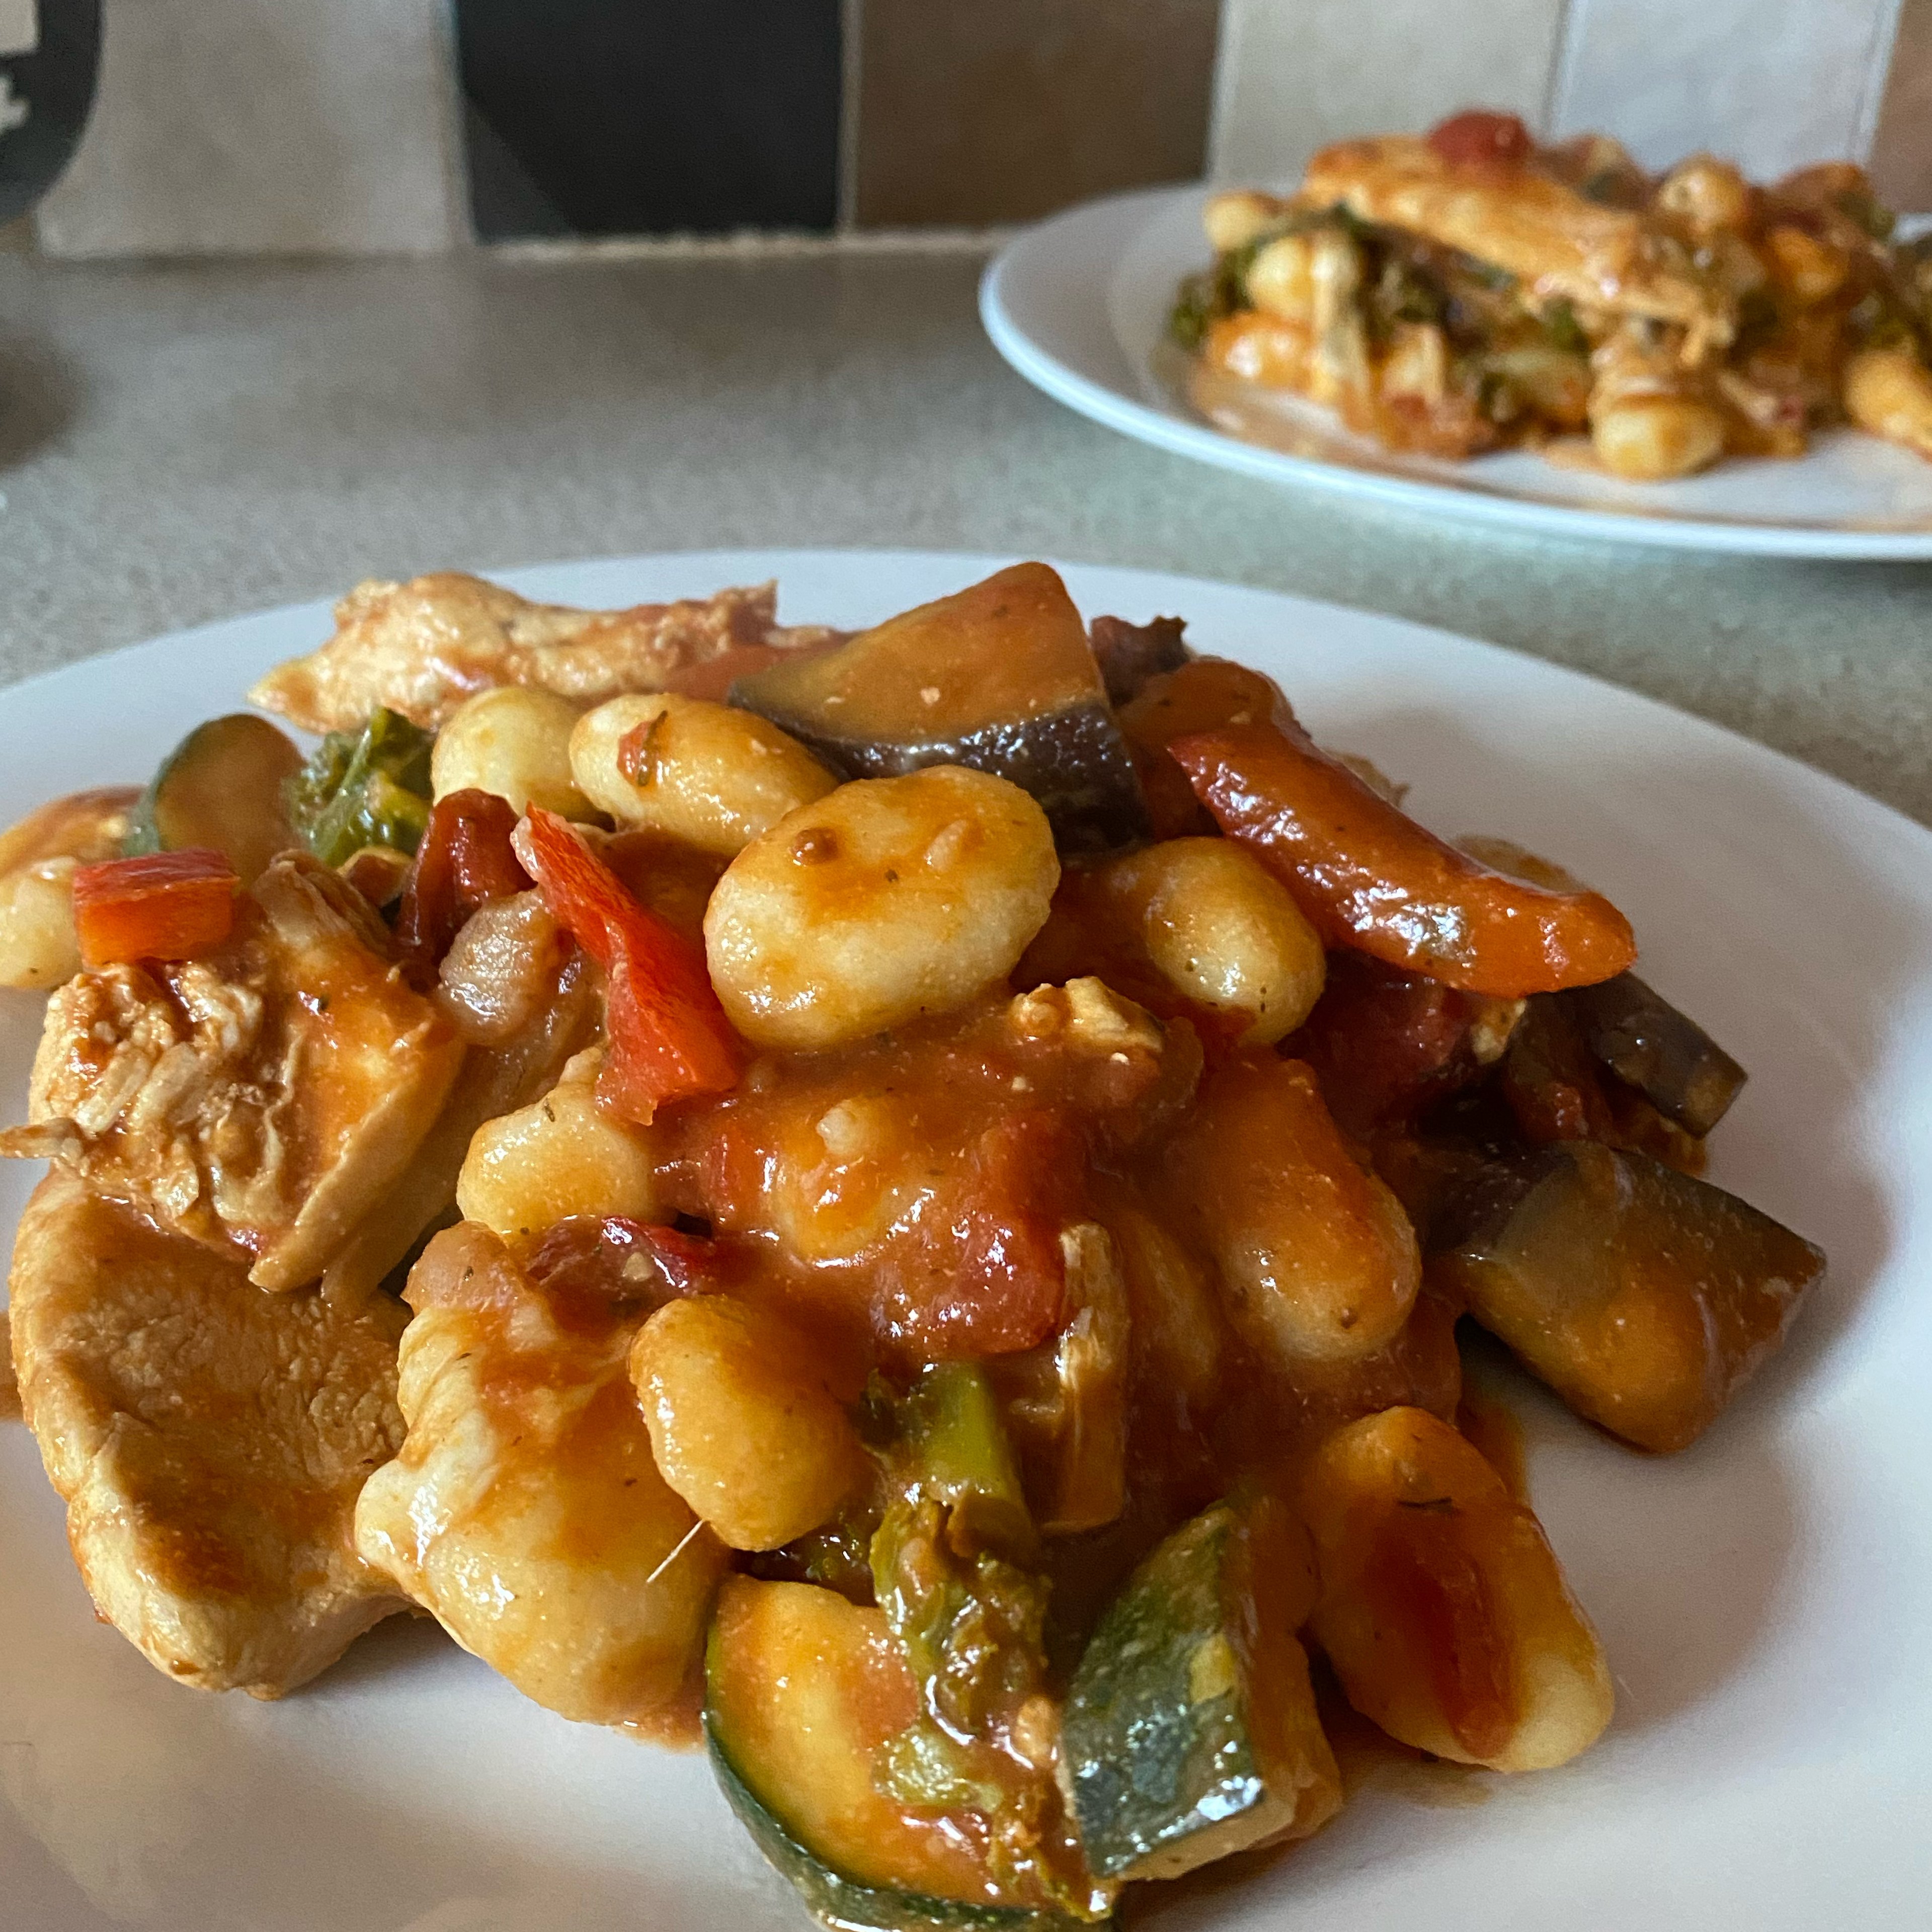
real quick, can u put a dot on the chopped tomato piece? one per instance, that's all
(586, 1264)
(466, 860)
(1383, 1043)
(165, 905)
(1368, 877)
(669, 1039)
(1479, 138)
(1420, 1576)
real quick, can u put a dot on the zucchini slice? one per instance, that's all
(221, 787)
(1190, 1728)
(999, 677)
(803, 1691)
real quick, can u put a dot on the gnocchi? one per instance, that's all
(560, 1156)
(514, 742)
(1222, 931)
(525, 1510)
(1316, 1257)
(1442, 1609)
(1457, 292)
(38, 859)
(1889, 392)
(742, 1427)
(886, 899)
(1648, 439)
(984, 1258)
(712, 776)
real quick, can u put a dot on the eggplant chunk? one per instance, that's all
(1441, 1605)
(999, 677)
(1645, 1298)
(1190, 1729)
(1648, 1044)
(1131, 655)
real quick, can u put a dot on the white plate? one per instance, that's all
(1765, 1598)
(1078, 305)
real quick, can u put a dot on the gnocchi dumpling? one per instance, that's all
(1316, 1259)
(525, 1511)
(561, 1156)
(707, 774)
(1221, 930)
(886, 899)
(1442, 1609)
(515, 742)
(743, 1427)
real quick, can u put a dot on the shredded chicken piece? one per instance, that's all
(1088, 1014)
(209, 1441)
(1540, 231)
(525, 1509)
(420, 648)
(260, 1097)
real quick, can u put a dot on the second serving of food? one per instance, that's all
(1475, 289)
(905, 1198)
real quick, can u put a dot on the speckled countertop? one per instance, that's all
(182, 442)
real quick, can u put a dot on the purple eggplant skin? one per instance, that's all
(1131, 655)
(999, 677)
(1645, 1297)
(1648, 1044)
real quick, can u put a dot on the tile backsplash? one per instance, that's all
(970, 115)
(1296, 74)
(605, 117)
(239, 126)
(376, 126)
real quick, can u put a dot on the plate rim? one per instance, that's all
(1119, 409)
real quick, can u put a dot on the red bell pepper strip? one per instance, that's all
(668, 1037)
(165, 905)
(1368, 877)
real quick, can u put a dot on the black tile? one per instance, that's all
(650, 117)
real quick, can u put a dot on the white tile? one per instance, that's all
(1295, 74)
(303, 126)
(1771, 84)
(19, 26)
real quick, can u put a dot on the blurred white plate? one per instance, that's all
(1764, 1598)
(1078, 305)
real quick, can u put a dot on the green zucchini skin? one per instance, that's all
(1159, 1739)
(221, 787)
(839, 1902)
(800, 1642)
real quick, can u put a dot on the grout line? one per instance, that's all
(1227, 61)
(851, 86)
(461, 224)
(751, 245)
(1563, 59)
(1878, 75)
